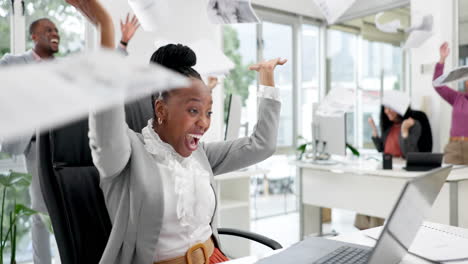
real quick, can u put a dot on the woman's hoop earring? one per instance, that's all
(160, 121)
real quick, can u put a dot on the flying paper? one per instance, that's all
(420, 33)
(210, 59)
(458, 74)
(150, 13)
(333, 9)
(389, 27)
(337, 102)
(231, 12)
(65, 90)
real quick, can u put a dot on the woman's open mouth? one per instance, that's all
(192, 140)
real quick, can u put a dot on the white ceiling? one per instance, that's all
(359, 9)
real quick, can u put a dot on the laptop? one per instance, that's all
(423, 161)
(412, 207)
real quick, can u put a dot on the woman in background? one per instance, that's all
(402, 129)
(456, 151)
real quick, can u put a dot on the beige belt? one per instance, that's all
(198, 254)
(458, 138)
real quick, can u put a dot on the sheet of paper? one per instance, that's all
(150, 13)
(417, 38)
(336, 102)
(433, 241)
(419, 33)
(424, 24)
(333, 9)
(210, 59)
(231, 12)
(457, 74)
(64, 90)
(389, 27)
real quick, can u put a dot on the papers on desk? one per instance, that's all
(434, 242)
(333, 9)
(60, 91)
(458, 74)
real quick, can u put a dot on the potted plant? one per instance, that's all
(12, 211)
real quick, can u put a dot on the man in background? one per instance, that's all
(46, 41)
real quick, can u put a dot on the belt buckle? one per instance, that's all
(188, 256)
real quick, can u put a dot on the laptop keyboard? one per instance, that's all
(344, 254)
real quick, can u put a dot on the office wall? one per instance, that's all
(189, 24)
(423, 95)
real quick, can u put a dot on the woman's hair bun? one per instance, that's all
(174, 56)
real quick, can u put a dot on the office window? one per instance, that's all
(341, 69)
(69, 22)
(278, 42)
(309, 90)
(4, 27)
(381, 70)
(240, 46)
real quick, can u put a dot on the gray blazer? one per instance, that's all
(132, 184)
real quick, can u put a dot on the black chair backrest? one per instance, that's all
(425, 141)
(70, 186)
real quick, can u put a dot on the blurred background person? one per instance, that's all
(456, 151)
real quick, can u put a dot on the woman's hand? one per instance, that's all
(99, 16)
(405, 127)
(444, 52)
(266, 70)
(373, 126)
(129, 28)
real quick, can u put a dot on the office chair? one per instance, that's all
(70, 186)
(425, 141)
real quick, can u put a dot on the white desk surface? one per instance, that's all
(373, 167)
(362, 239)
(240, 174)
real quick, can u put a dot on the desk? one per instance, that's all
(362, 239)
(361, 187)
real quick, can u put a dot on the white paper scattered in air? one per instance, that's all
(231, 12)
(151, 13)
(333, 9)
(457, 74)
(337, 102)
(419, 33)
(210, 59)
(389, 27)
(57, 92)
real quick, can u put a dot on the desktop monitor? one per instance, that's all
(233, 122)
(332, 130)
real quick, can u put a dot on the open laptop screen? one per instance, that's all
(412, 208)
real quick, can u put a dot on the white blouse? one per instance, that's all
(189, 200)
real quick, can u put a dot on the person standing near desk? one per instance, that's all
(400, 133)
(46, 39)
(456, 151)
